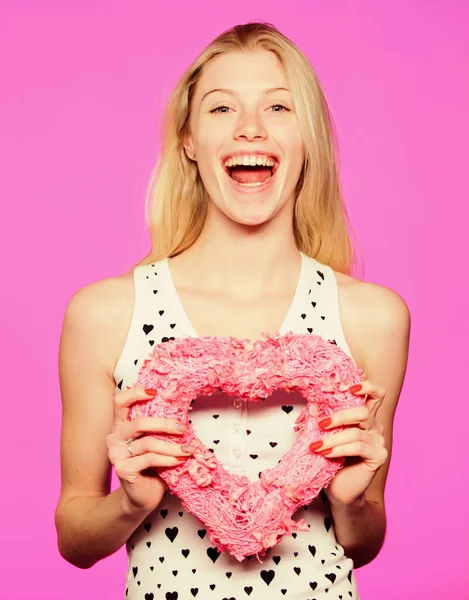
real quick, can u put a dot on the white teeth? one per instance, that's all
(250, 160)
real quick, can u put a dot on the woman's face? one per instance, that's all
(245, 137)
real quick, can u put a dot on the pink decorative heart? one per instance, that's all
(242, 517)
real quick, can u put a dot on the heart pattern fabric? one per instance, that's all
(242, 517)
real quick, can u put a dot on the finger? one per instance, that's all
(368, 452)
(368, 389)
(136, 447)
(347, 416)
(353, 434)
(130, 430)
(143, 425)
(123, 401)
(130, 469)
(149, 444)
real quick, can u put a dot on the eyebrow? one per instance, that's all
(232, 93)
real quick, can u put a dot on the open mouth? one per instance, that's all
(251, 170)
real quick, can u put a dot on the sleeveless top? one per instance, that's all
(169, 554)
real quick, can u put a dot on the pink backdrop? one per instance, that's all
(82, 86)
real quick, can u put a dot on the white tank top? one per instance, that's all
(170, 555)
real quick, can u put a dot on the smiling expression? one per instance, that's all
(245, 137)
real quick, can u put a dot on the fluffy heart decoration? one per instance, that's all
(241, 517)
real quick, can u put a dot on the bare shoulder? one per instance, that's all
(94, 329)
(371, 314)
(104, 308)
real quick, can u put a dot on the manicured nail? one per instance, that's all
(315, 446)
(188, 449)
(328, 451)
(356, 388)
(325, 423)
(150, 392)
(181, 427)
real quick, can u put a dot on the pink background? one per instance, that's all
(82, 86)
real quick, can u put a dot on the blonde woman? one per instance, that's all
(250, 236)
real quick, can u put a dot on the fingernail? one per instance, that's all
(325, 423)
(315, 446)
(188, 449)
(328, 451)
(356, 388)
(150, 392)
(181, 427)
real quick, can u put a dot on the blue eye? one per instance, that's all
(218, 109)
(223, 109)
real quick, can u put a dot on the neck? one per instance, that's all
(242, 259)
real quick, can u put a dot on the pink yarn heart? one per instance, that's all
(241, 517)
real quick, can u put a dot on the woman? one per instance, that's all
(249, 237)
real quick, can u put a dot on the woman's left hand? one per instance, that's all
(362, 443)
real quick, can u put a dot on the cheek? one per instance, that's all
(296, 160)
(291, 142)
(207, 146)
(210, 136)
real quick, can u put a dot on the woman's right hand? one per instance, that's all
(140, 482)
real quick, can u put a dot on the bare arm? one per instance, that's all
(382, 338)
(92, 528)
(91, 522)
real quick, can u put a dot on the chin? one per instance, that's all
(250, 206)
(250, 213)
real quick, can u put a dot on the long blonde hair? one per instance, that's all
(177, 202)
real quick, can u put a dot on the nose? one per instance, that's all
(250, 127)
